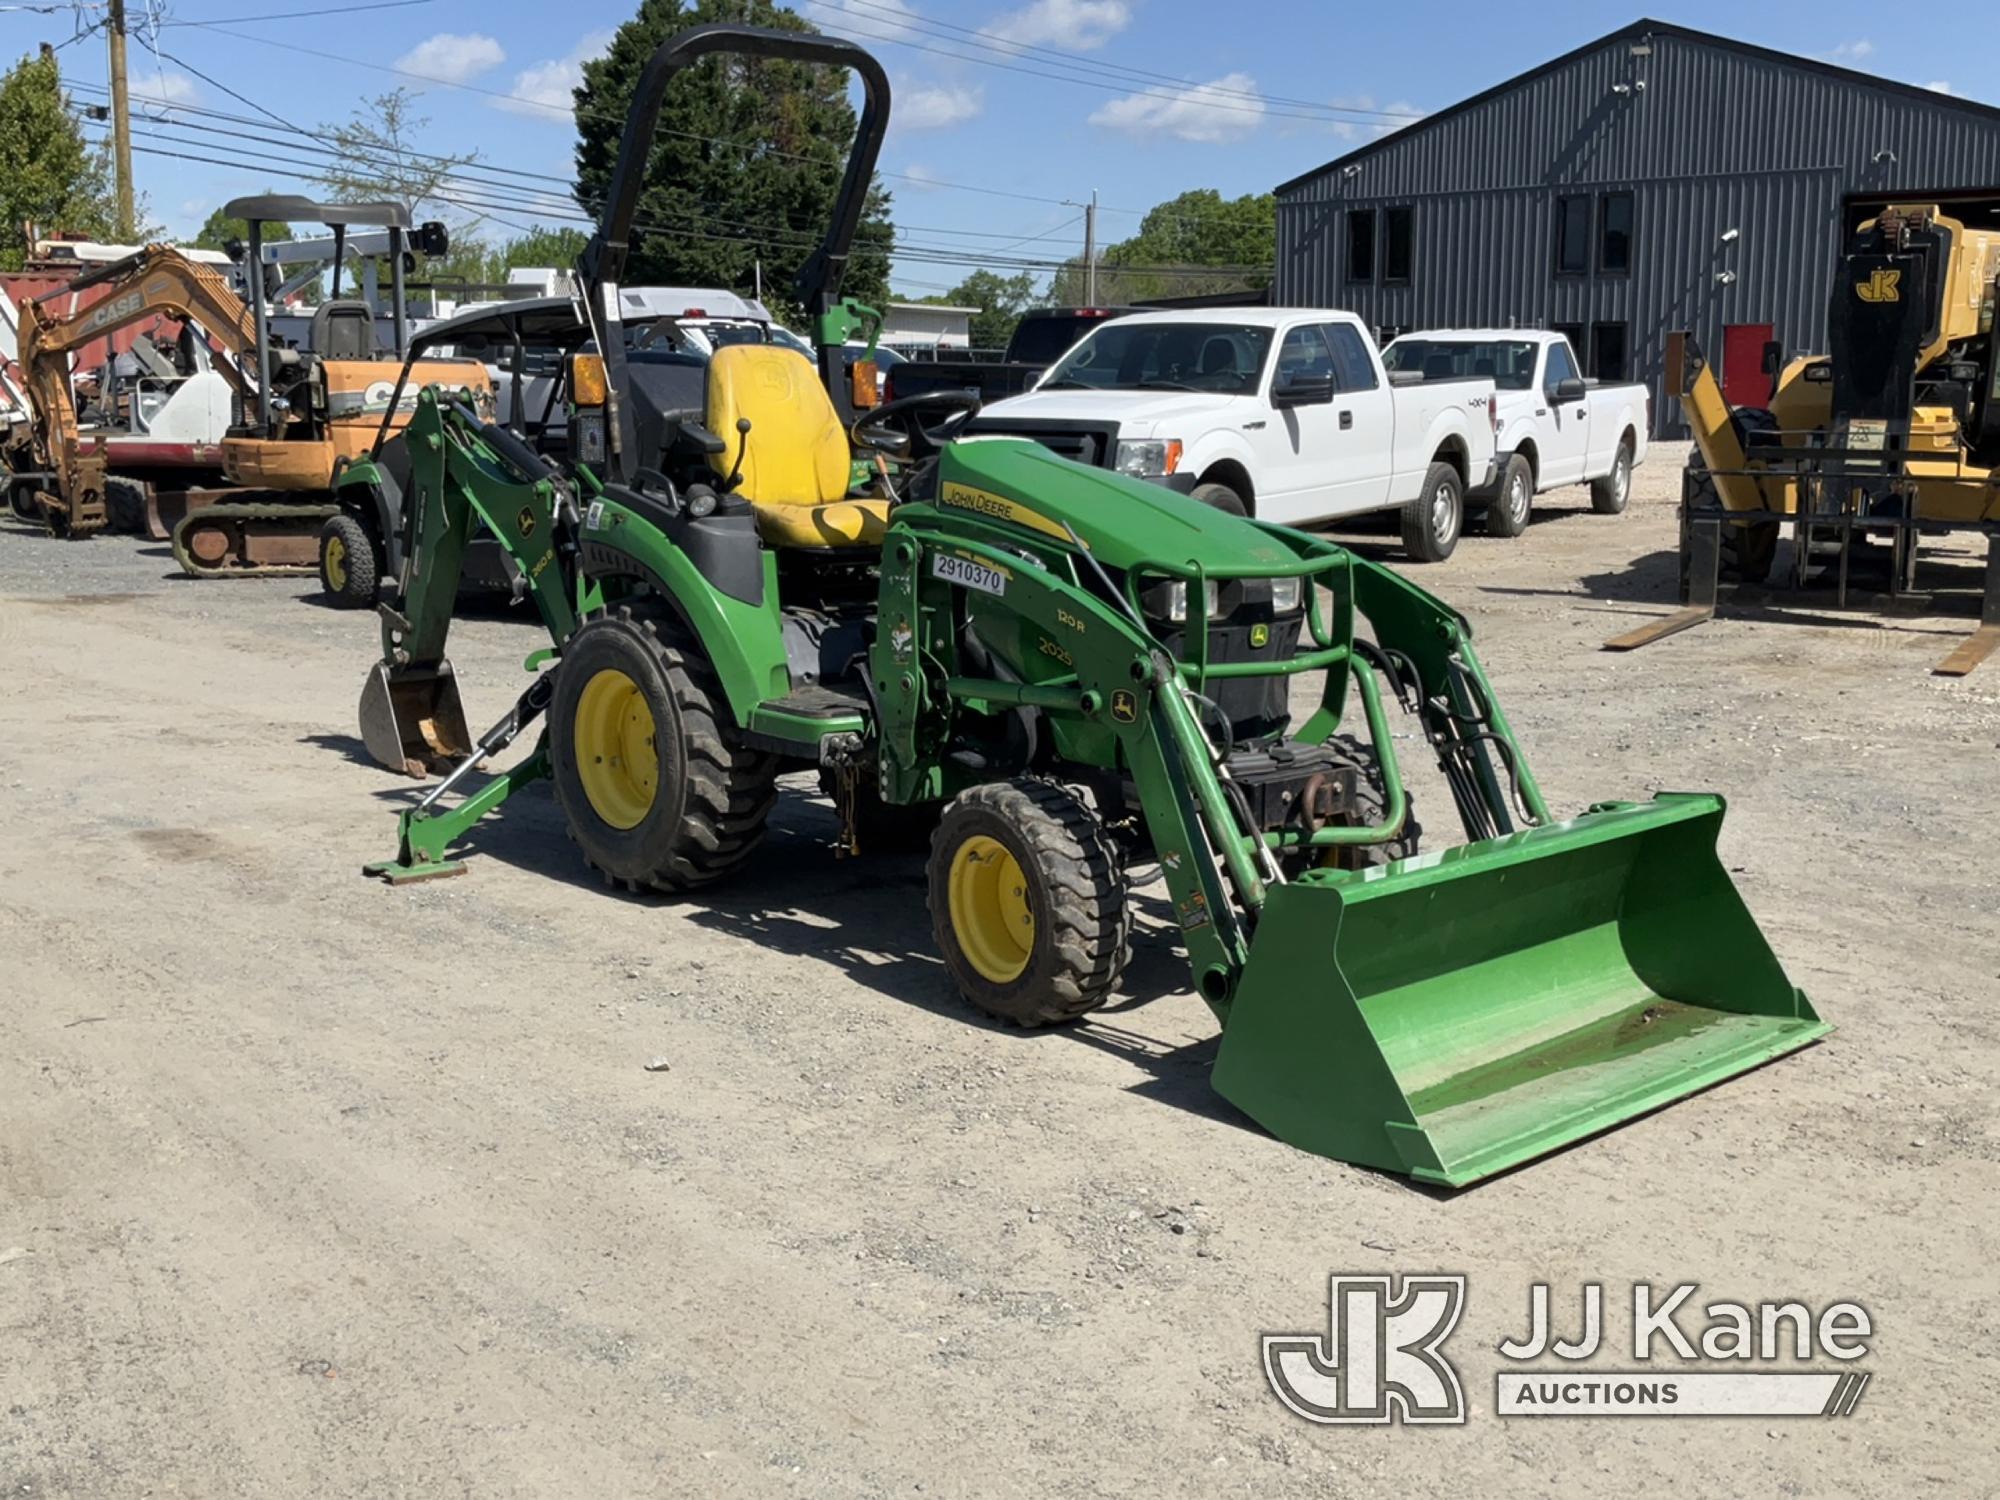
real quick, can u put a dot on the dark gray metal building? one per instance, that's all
(1654, 179)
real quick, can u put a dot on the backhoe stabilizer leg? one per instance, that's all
(425, 837)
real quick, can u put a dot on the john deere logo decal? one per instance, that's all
(1881, 286)
(1124, 706)
(1260, 636)
(526, 521)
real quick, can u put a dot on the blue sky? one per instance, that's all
(1172, 101)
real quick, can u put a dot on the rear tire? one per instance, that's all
(1220, 496)
(1432, 522)
(1747, 549)
(1610, 495)
(1028, 902)
(1513, 498)
(348, 568)
(658, 790)
(125, 506)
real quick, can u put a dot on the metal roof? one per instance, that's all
(1644, 27)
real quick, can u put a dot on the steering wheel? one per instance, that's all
(960, 406)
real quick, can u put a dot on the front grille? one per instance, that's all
(1077, 441)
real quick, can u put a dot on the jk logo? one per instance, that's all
(1879, 287)
(1379, 1361)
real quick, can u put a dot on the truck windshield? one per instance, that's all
(1511, 362)
(1224, 358)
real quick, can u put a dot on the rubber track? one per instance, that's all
(314, 516)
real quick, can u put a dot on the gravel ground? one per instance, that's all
(320, 1186)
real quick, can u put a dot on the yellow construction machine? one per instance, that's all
(1891, 435)
(303, 412)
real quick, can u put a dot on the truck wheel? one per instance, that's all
(1609, 495)
(1221, 496)
(1432, 521)
(125, 506)
(656, 787)
(348, 569)
(1513, 498)
(1028, 902)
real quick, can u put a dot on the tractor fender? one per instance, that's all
(742, 638)
(370, 493)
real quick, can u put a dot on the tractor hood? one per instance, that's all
(1122, 520)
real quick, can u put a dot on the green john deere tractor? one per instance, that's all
(1054, 669)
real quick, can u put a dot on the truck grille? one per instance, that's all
(1077, 441)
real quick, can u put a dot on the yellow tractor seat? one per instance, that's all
(797, 466)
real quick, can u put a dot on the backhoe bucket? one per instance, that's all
(412, 720)
(1452, 1015)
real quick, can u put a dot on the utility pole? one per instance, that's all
(121, 123)
(1091, 237)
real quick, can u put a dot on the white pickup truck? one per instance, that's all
(1556, 428)
(1282, 413)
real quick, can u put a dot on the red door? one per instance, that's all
(1745, 381)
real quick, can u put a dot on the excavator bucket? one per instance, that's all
(1452, 1015)
(412, 720)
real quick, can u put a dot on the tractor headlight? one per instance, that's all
(1176, 600)
(1284, 594)
(1148, 459)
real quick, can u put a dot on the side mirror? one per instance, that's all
(1570, 389)
(1303, 390)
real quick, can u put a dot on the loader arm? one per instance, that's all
(156, 281)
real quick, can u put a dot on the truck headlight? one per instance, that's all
(1147, 459)
(1285, 594)
(1211, 594)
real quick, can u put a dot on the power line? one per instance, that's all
(293, 15)
(984, 40)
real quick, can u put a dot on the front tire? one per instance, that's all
(348, 567)
(1432, 522)
(1610, 495)
(1028, 902)
(658, 790)
(125, 506)
(1222, 497)
(1513, 498)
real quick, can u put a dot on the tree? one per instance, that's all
(1197, 243)
(745, 164)
(49, 174)
(382, 154)
(1000, 299)
(556, 248)
(218, 230)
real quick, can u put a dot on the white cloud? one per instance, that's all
(545, 90)
(934, 107)
(1077, 25)
(917, 178)
(451, 58)
(165, 89)
(1215, 111)
(1940, 87)
(1402, 111)
(1850, 52)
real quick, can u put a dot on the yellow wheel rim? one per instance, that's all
(988, 894)
(336, 563)
(615, 757)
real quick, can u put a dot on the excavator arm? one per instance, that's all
(155, 281)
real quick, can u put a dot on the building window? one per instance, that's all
(1607, 351)
(1360, 244)
(1614, 234)
(1572, 236)
(1397, 250)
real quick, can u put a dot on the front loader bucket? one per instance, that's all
(412, 720)
(1452, 1015)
